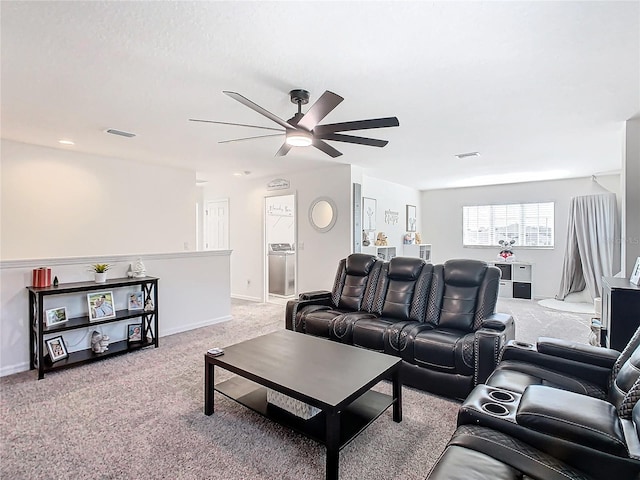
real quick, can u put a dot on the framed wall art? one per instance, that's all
(369, 213)
(411, 218)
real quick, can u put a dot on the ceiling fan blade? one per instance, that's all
(327, 102)
(236, 124)
(372, 142)
(326, 148)
(253, 106)
(284, 149)
(251, 138)
(357, 125)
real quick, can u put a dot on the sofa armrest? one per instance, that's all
(528, 353)
(498, 321)
(579, 352)
(294, 306)
(315, 295)
(492, 336)
(570, 416)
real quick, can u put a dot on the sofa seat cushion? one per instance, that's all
(342, 326)
(318, 321)
(439, 348)
(370, 332)
(516, 376)
(460, 463)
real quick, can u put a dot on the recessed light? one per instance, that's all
(66, 142)
(467, 155)
(241, 174)
(237, 174)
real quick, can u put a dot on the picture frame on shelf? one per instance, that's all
(369, 208)
(635, 273)
(54, 316)
(134, 333)
(135, 301)
(56, 348)
(411, 218)
(101, 306)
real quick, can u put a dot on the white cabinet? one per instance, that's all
(385, 253)
(516, 280)
(422, 250)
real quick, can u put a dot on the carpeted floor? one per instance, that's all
(139, 416)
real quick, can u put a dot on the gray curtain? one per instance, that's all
(589, 254)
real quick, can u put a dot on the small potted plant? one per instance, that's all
(100, 271)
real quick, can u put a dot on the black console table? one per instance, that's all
(620, 311)
(38, 328)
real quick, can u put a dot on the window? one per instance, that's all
(529, 224)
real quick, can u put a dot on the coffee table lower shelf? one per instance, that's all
(353, 420)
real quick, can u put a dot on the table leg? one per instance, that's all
(208, 386)
(397, 396)
(333, 444)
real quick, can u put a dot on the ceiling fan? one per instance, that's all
(302, 130)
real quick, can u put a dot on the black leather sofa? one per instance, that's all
(556, 409)
(440, 319)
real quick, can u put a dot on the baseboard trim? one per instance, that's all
(17, 368)
(246, 297)
(193, 326)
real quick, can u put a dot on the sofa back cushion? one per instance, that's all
(463, 293)
(624, 381)
(403, 289)
(357, 274)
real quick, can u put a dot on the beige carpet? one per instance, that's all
(139, 416)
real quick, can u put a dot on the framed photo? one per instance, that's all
(135, 301)
(134, 333)
(56, 348)
(635, 273)
(368, 213)
(53, 316)
(411, 218)
(101, 306)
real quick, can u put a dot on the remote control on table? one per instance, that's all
(216, 352)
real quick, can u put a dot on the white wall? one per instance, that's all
(61, 203)
(394, 197)
(193, 291)
(442, 222)
(317, 253)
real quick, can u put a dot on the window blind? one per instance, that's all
(529, 224)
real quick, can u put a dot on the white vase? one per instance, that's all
(101, 277)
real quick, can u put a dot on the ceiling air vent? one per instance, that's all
(467, 155)
(121, 133)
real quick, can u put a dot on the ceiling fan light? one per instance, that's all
(299, 139)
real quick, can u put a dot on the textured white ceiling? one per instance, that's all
(541, 89)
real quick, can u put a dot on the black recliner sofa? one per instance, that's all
(440, 319)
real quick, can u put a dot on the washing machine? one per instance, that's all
(282, 265)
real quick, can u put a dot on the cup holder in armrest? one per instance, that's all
(495, 409)
(502, 396)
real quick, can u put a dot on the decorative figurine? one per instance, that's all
(138, 269)
(99, 342)
(148, 305)
(418, 238)
(506, 254)
(365, 239)
(381, 240)
(55, 281)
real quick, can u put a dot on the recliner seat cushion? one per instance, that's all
(370, 332)
(442, 349)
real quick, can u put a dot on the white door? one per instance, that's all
(217, 221)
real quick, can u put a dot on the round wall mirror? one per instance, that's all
(322, 214)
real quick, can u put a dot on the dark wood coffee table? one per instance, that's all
(333, 377)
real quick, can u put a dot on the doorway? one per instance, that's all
(217, 225)
(281, 263)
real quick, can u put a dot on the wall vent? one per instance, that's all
(121, 133)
